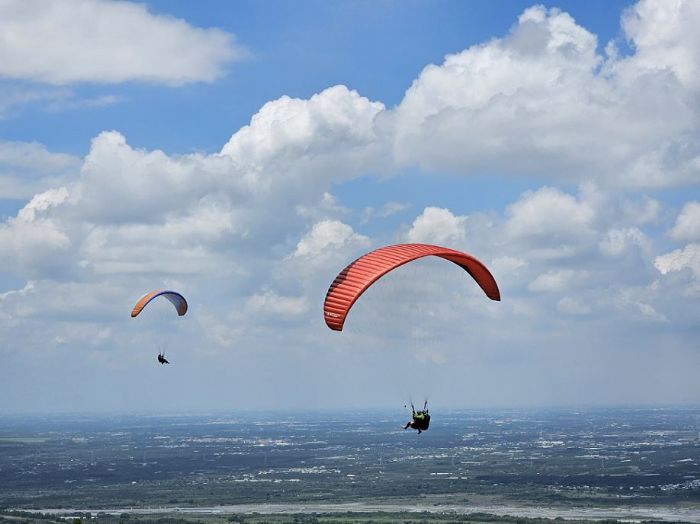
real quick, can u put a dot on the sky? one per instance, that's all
(243, 153)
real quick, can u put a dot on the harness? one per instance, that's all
(421, 419)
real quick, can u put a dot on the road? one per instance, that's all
(627, 513)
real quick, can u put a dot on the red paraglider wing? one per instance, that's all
(175, 298)
(352, 281)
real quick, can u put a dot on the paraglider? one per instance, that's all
(420, 420)
(175, 298)
(359, 275)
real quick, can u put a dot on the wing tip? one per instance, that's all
(334, 326)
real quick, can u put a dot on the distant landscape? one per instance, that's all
(597, 463)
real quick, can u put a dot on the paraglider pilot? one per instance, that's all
(420, 420)
(161, 358)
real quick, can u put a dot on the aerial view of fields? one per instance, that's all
(601, 463)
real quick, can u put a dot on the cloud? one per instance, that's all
(542, 102)
(219, 226)
(387, 210)
(328, 206)
(269, 302)
(549, 214)
(636, 302)
(618, 241)
(557, 281)
(127, 211)
(28, 168)
(436, 226)
(55, 302)
(664, 37)
(148, 184)
(70, 102)
(329, 137)
(572, 306)
(33, 243)
(679, 260)
(181, 244)
(15, 94)
(104, 41)
(328, 235)
(687, 226)
(507, 264)
(641, 212)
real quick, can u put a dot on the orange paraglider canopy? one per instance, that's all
(352, 281)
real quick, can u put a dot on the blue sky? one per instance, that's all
(243, 153)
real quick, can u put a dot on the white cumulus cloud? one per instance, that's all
(549, 213)
(664, 34)
(106, 41)
(33, 243)
(326, 235)
(542, 101)
(437, 225)
(321, 133)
